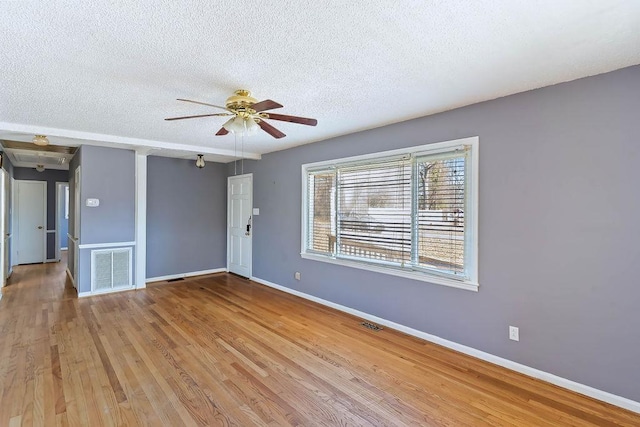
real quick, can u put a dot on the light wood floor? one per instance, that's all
(222, 350)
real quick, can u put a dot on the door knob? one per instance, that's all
(39, 227)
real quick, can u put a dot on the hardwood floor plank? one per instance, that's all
(138, 410)
(222, 350)
(58, 387)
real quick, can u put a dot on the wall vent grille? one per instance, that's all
(111, 269)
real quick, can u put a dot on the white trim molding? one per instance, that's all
(595, 393)
(105, 245)
(140, 220)
(185, 275)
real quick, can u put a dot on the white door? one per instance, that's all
(31, 221)
(239, 224)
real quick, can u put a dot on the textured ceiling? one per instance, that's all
(109, 72)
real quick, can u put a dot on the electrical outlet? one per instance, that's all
(297, 275)
(514, 333)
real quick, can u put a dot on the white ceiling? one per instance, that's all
(108, 73)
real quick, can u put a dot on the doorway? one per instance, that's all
(62, 217)
(31, 219)
(239, 224)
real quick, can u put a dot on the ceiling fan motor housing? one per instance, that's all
(242, 100)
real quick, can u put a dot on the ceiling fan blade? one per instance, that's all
(200, 115)
(270, 129)
(204, 103)
(293, 119)
(222, 131)
(265, 105)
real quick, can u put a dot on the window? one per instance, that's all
(411, 212)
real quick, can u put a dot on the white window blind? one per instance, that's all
(374, 211)
(406, 212)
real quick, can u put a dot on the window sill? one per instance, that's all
(415, 275)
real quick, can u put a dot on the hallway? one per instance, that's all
(36, 284)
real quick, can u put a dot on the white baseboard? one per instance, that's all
(185, 275)
(104, 292)
(149, 280)
(595, 393)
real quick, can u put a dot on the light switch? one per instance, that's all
(92, 203)
(256, 211)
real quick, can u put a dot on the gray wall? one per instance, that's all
(558, 230)
(50, 176)
(186, 216)
(107, 174)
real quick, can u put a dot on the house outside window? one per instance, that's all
(409, 212)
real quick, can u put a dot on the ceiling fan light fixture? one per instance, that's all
(235, 125)
(41, 140)
(251, 126)
(228, 125)
(242, 125)
(200, 161)
(40, 168)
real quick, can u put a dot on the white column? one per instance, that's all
(141, 220)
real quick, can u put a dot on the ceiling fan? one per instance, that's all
(247, 115)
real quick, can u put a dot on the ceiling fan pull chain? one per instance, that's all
(242, 152)
(235, 154)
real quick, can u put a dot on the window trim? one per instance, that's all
(471, 226)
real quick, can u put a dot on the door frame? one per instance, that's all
(77, 211)
(13, 218)
(17, 216)
(4, 231)
(250, 176)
